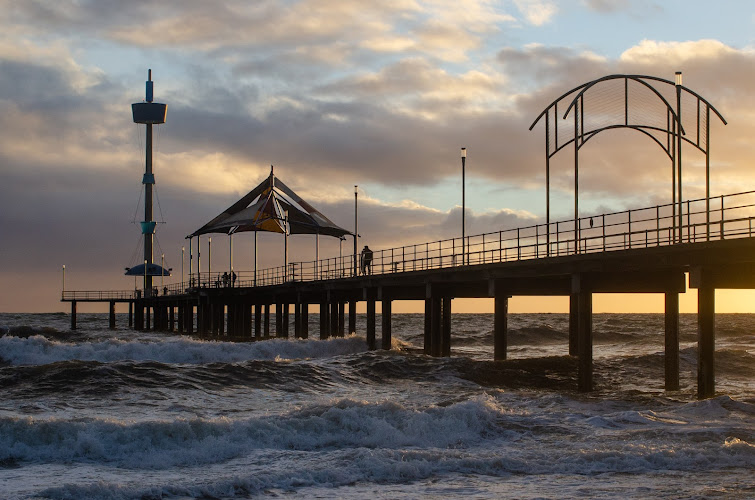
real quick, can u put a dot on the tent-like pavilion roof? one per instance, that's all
(263, 209)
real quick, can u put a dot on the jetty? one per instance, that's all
(704, 244)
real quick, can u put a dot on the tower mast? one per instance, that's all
(149, 113)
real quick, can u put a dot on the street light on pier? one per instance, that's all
(64, 278)
(464, 259)
(356, 226)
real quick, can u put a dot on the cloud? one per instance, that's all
(537, 12)
(333, 94)
(607, 6)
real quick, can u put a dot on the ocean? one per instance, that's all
(95, 413)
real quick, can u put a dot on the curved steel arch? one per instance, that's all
(674, 133)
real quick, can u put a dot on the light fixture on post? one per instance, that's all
(464, 259)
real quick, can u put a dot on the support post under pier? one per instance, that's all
(672, 341)
(706, 339)
(584, 331)
(573, 324)
(111, 316)
(386, 324)
(304, 326)
(324, 320)
(73, 315)
(371, 336)
(352, 316)
(500, 327)
(446, 328)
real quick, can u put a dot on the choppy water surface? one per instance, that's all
(96, 413)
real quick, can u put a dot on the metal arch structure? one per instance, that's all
(669, 135)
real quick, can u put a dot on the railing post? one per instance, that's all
(689, 223)
(721, 230)
(629, 218)
(518, 246)
(500, 244)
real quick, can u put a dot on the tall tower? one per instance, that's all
(149, 113)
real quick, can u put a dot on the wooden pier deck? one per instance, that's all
(638, 251)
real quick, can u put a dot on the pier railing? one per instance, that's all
(729, 216)
(100, 296)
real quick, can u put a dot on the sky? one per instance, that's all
(337, 93)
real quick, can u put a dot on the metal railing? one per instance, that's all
(729, 216)
(100, 296)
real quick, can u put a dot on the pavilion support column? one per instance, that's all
(672, 341)
(706, 340)
(324, 320)
(573, 324)
(304, 325)
(446, 328)
(73, 315)
(130, 314)
(386, 324)
(111, 316)
(371, 337)
(352, 316)
(428, 344)
(500, 326)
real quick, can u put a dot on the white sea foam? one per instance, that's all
(478, 435)
(38, 350)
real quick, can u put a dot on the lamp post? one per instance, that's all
(209, 258)
(678, 82)
(356, 226)
(162, 270)
(64, 279)
(464, 259)
(183, 249)
(285, 246)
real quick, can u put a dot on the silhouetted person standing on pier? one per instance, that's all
(366, 258)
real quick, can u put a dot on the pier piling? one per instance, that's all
(671, 355)
(500, 326)
(706, 309)
(73, 315)
(386, 324)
